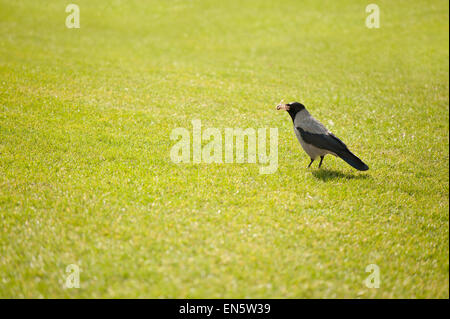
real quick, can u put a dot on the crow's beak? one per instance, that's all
(283, 106)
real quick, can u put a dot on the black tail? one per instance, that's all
(353, 160)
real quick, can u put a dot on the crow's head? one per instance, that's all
(292, 107)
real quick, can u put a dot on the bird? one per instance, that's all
(316, 139)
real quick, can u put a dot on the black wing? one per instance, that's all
(331, 143)
(327, 142)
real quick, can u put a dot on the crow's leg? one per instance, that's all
(310, 163)
(321, 159)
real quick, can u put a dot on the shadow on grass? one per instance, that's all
(326, 175)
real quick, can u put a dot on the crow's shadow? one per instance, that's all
(326, 175)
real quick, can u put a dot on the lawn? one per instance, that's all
(86, 176)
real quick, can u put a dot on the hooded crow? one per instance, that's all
(315, 138)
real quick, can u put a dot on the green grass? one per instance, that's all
(85, 170)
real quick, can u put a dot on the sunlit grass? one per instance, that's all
(85, 170)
